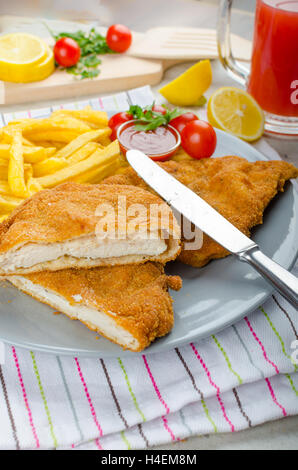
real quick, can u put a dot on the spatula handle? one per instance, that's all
(285, 282)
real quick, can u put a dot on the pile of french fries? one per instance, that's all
(70, 145)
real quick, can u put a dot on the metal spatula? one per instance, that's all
(184, 43)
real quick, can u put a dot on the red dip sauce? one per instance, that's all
(158, 143)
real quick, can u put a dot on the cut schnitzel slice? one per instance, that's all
(129, 305)
(78, 225)
(237, 189)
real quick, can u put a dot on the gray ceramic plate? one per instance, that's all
(211, 298)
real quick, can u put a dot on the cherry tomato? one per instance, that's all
(116, 120)
(67, 52)
(159, 109)
(198, 138)
(119, 38)
(164, 158)
(180, 121)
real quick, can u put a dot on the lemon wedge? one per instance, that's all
(237, 112)
(187, 89)
(24, 58)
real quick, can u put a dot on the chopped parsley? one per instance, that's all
(91, 44)
(151, 119)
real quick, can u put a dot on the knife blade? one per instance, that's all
(189, 204)
(198, 211)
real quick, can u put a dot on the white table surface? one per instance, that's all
(141, 15)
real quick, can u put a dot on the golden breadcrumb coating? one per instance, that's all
(69, 211)
(137, 294)
(237, 189)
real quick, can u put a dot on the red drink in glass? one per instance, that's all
(273, 79)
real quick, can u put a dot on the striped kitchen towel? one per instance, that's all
(235, 379)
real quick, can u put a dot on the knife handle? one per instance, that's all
(285, 282)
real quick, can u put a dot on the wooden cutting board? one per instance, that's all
(117, 72)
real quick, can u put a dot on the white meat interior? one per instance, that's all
(95, 319)
(86, 247)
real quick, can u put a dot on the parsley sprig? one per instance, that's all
(151, 119)
(91, 44)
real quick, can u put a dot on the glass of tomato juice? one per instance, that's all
(273, 76)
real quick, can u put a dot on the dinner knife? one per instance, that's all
(203, 216)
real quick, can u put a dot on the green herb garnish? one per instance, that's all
(151, 119)
(91, 44)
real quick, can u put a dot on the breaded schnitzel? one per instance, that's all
(129, 305)
(81, 225)
(237, 189)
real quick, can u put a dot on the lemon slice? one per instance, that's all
(22, 48)
(39, 71)
(237, 112)
(187, 89)
(20, 56)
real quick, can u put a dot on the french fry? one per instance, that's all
(83, 152)
(99, 157)
(121, 170)
(71, 145)
(69, 122)
(33, 186)
(28, 172)
(5, 188)
(7, 134)
(54, 136)
(16, 175)
(7, 138)
(4, 161)
(49, 166)
(31, 154)
(105, 141)
(50, 144)
(79, 141)
(8, 203)
(53, 124)
(4, 172)
(89, 115)
(104, 136)
(5, 151)
(27, 142)
(20, 122)
(9, 130)
(4, 216)
(90, 124)
(96, 175)
(108, 170)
